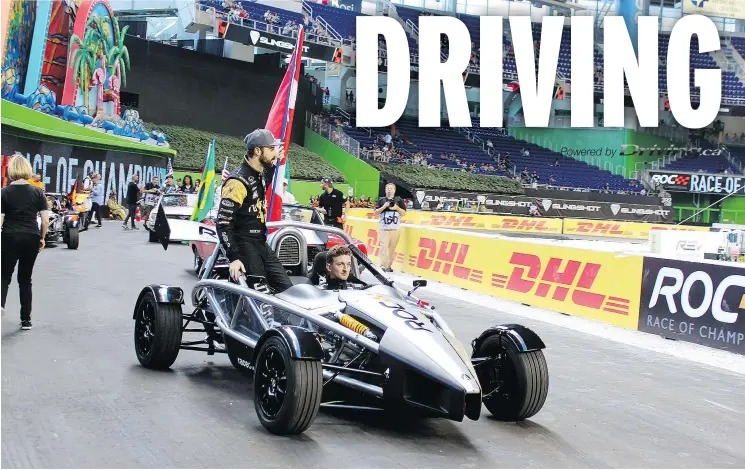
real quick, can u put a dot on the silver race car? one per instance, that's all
(375, 346)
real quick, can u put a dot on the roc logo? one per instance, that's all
(574, 282)
(683, 180)
(446, 258)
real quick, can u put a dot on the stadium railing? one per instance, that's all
(269, 28)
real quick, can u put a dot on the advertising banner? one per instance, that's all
(633, 230)
(473, 221)
(275, 42)
(705, 183)
(701, 303)
(430, 199)
(720, 8)
(591, 284)
(60, 165)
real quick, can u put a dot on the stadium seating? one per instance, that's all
(703, 163)
(438, 141)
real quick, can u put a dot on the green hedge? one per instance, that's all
(421, 177)
(191, 145)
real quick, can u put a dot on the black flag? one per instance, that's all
(161, 229)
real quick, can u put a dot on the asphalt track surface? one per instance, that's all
(74, 395)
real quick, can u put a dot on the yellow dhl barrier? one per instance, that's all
(591, 284)
(636, 230)
(537, 225)
(473, 221)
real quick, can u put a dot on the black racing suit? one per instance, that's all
(338, 284)
(241, 226)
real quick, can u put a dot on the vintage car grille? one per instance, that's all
(289, 251)
(313, 250)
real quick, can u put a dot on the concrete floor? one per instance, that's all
(74, 394)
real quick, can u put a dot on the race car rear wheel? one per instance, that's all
(514, 384)
(157, 332)
(287, 391)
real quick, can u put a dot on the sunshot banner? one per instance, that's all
(206, 197)
(279, 123)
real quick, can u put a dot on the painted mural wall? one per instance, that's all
(84, 64)
(20, 30)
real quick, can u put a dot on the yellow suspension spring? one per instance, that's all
(354, 325)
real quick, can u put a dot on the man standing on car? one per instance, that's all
(331, 202)
(133, 191)
(391, 210)
(241, 217)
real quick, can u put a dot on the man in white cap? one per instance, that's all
(287, 196)
(241, 217)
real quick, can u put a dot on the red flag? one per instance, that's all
(279, 123)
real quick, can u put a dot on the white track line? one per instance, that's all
(683, 350)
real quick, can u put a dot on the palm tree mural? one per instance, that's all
(119, 54)
(102, 45)
(84, 61)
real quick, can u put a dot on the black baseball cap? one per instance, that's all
(328, 181)
(261, 138)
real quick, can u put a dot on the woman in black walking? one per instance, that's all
(22, 238)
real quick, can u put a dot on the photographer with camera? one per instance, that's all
(391, 209)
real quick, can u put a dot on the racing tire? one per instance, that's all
(73, 238)
(287, 391)
(152, 237)
(157, 332)
(521, 376)
(197, 262)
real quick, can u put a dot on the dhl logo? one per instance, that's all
(446, 257)
(540, 280)
(451, 221)
(599, 227)
(526, 225)
(679, 228)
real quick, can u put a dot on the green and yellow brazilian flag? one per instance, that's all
(206, 196)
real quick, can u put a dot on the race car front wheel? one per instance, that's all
(157, 332)
(287, 391)
(514, 384)
(73, 238)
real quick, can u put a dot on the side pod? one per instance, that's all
(163, 294)
(521, 336)
(301, 343)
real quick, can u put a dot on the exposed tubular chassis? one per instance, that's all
(507, 360)
(211, 343)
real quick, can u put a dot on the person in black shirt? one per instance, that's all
(133, 191)
(22, 238)
(331, 202)
(241, 217)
